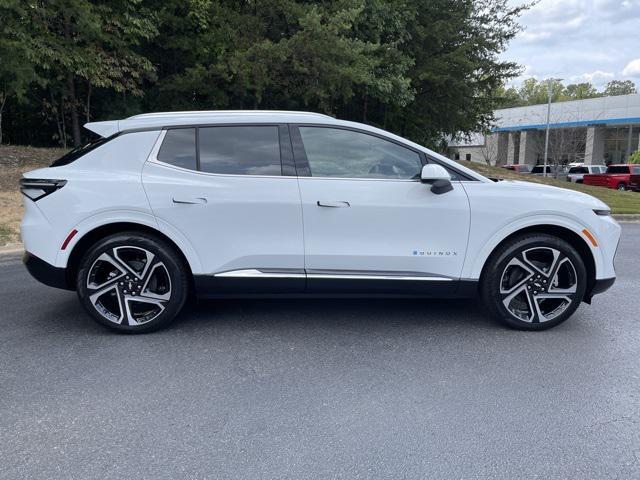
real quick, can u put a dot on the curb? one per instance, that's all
(10, 251)
(627, 217)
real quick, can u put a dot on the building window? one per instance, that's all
(468, 157)
(456, 156)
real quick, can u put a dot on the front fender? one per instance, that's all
(478, 253)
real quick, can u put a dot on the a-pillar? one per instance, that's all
(594, 150)
(528, 147)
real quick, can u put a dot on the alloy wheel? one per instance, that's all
(128, 285)
(538, 284)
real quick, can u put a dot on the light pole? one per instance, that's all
(546, 137)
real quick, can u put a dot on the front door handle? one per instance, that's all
(333, 204)
(190, 200)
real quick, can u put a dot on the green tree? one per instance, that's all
(426, 69)
(580, 91)
(619, 87)
(79, 45)
(17, 71)
(456, 71)
(534, 92)
(635, 157)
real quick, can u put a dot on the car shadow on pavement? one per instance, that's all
(64, 315)
(329, 313)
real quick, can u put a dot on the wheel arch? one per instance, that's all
(566, 234)
(92, 236)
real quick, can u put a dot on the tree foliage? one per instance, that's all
(534, 92)
(425, 69)
(620, 87)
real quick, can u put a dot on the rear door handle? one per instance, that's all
(333, 204)
(190, 200)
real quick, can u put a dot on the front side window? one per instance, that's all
(179, 148)
(241, 150)
(334, 152)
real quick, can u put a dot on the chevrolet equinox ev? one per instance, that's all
(263, 203)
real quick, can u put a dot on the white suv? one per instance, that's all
(576, 173)
(246, 204)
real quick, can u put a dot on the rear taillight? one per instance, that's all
(36, 188)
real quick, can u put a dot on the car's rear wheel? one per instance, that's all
(621, 186)
(132, 282)
(534, 282)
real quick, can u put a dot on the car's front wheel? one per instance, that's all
(534, 282)
(132, 282)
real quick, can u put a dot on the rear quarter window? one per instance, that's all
(179, 148)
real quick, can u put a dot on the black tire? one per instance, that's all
(138, 269)
(506, 280)
(621, 186)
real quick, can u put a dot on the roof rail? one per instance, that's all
(225, 112)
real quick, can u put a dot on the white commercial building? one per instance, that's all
(593, 131)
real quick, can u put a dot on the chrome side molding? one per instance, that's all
(330, 274)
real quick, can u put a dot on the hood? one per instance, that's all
(540, 190)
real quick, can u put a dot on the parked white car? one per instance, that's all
(576, 174)
(236, 204)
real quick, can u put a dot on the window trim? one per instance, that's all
(285, 149)
(293, 158)
(304, 170)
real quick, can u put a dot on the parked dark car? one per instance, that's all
(520, 168)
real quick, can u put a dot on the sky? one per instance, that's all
(579, 40)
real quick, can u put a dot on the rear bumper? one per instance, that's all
(45, 272)
(599, 286)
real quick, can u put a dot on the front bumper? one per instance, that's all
(45, 272)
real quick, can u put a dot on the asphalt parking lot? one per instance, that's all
(320, 389)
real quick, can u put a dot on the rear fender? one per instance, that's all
(130, 216)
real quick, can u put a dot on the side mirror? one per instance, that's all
(438, 177)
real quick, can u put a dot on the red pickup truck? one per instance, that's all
(620, 177)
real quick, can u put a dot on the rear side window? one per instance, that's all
(179, 148)
(578, 170)
(241, 150)
(618, 169)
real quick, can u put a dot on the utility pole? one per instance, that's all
(546, 136)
